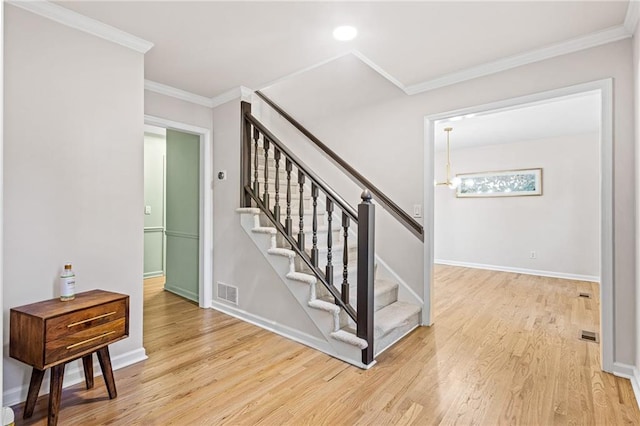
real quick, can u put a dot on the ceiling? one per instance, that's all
(568, 115)
(209, 48)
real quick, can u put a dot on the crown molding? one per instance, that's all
(83, 23)
(235, 93)
(632, 17)
(173, 92)
(570, 46)
(241, 92)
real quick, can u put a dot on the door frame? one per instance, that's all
(205, 273)
(605, 88)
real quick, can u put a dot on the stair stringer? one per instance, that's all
(325, 315)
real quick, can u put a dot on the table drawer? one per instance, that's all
(83, 340)
(78, 321)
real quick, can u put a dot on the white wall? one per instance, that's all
(561, 226)
(385, 141)
(73, 182)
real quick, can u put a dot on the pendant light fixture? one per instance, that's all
(455, 182)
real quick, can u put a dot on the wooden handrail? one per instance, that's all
(410, 223)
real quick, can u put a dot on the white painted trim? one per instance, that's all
(74, 374)
(72, 19)
(239, 92)
(632, 17)
(206, 202)
(183, 95)
(377, 68)
(563, 48)
(605, 88)
(629, 372)
(282, 330)
(3, 402)
(537, 272)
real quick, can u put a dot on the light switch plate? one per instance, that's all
(147, 209)
(417, 210)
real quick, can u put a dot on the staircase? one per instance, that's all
(323, 251)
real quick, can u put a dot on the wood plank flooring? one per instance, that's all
(504, 350)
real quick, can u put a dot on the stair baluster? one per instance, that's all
(256, 184)
(314, 249)
(329, 268)
(265, 146)
(276, 207)
(301, 210)
(345, 259)
(288, 223)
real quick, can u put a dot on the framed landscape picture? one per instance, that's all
(506, 183)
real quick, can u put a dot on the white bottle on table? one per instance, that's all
(67, 284)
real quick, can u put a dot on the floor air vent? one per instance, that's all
(589, 336)
(228, 293)
(585, 295)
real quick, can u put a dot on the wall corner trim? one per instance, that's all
(632, 17)
(629, 372)
(83, 23)
(240, 92)
(173, 92)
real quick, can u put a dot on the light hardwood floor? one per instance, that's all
(504, 350)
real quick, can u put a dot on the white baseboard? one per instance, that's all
(629, 372)
(73, 374)
(552, 274)
(282, 330)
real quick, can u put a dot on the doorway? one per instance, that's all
(603, 89)
(178, 237)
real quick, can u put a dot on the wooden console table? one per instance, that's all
(52, 333)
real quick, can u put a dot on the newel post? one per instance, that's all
(245, 156)
(366, 253)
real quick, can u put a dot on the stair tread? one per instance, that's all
(393, 316)
(379, 287)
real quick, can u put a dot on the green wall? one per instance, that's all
(154, 193)
(182, 214)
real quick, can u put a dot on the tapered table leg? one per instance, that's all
(107, 372)
(55, 392)
(87, 363)
(34, 389)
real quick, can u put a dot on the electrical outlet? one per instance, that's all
(417, 210)
(533, 254)
(147, 209)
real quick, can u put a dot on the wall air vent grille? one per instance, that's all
(228, 293)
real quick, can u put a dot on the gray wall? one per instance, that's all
(73, 180)
(154, 193)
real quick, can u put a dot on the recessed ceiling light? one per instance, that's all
(345, 33)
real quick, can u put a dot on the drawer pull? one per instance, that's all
(90, 319)
(90, 340)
